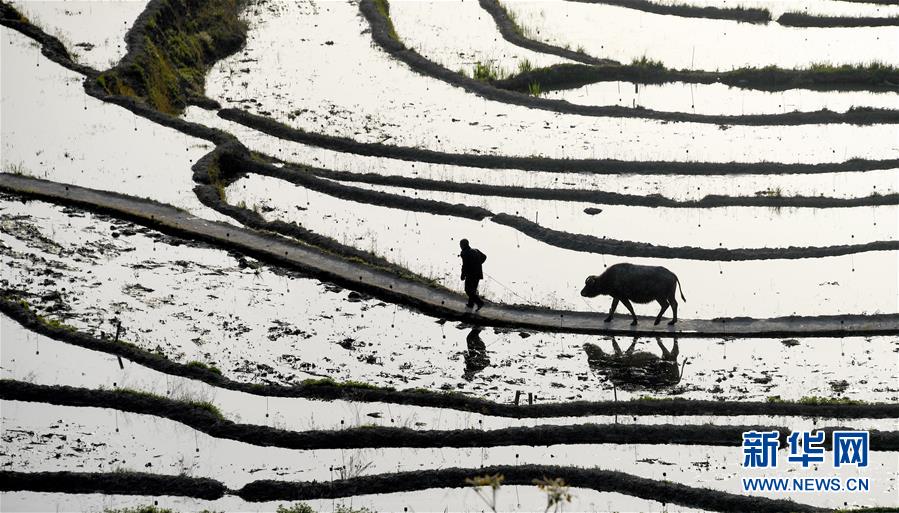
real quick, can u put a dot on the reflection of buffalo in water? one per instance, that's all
(630, 370)
(476, 358)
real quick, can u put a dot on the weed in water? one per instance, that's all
(494, 482)
(646, 62)
(557, 492)
(300, 507)
(525, 66)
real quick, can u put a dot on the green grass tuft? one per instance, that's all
(383, 7)
(205, 366)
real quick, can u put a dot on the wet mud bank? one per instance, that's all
(226, 163)
(312, 179)
(55, 51)
(748, 15)
(602, 197)
(327, 389)
(799, 19)
(593, 244)
(204, 420)
(132, 483)
(550, 165)
(600, 480)
(513, 91)
(511, 32)
(51, 47)
(744, 14)
(237, 165)
(572, 241)
(118, 483)
(565, 76)
(770, 79)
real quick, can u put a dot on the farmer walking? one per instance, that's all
(472, 259)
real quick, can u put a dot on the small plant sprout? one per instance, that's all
(534, 89)
(557, 493)
(299, 507)
(525, 66)
(480, 482)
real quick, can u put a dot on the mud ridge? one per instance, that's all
(770, 79)
(512, 34)
(328, 391)
(592, 244)
(599, 480)
(51, 47)
(602, 197)
(224, 164)
(132, 483)
(744, 14)
(566, 76)
(203, 420)
(113, 483)
(579, 242)
(550, 165)
(510, 92)
(313, 181)
(573, 241)
(799, 19)
(55, 51)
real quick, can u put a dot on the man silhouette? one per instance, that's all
(472, 273)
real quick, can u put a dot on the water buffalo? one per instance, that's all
(637, 283)
(631, 370)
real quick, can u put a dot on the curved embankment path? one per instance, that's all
(213, 424)
(591, 70)
(237, 164)
(139, 483)
(384, 37)
(420, 295)
(602, 166)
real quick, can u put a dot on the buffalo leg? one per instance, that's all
(664, 305)
(612, 310)
(630, 309)
(673, 302)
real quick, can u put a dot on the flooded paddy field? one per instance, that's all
(101, 145)
(183, 301)
(719, 98)
(146, 363)
(513, 498)
(837, 184)
(399, 239)
(459, 35)
(94, 34)
(396, 106)
(693, 43)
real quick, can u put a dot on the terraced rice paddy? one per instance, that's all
(246, 296)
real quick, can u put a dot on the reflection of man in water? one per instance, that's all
(472, 273)
(476, 357)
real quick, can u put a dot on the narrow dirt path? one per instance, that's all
(438, 302)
